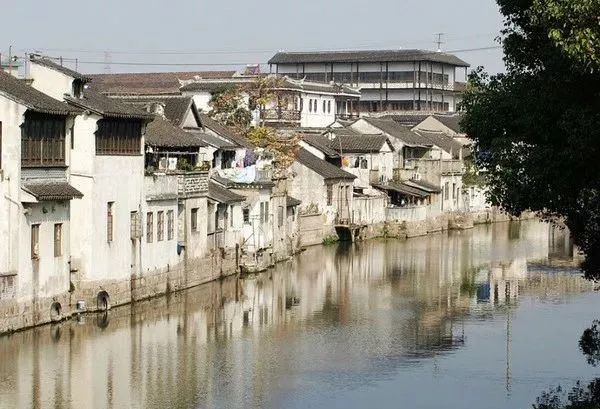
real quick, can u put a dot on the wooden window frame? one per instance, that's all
(170, 225)
(43, 140)
(58, 240)
(134, 225)
(246, 216)
(149, 227)
(109, 222)
(119, 137)
(194, 219)
(35, 241)
(160, 225)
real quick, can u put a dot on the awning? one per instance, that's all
(291, 201)
(44, 191)
(422, 185)
(403, 189)
(223, 195)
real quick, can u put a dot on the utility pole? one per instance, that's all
(439, 41)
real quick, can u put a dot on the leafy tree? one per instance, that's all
(537, 127)
(229, 108)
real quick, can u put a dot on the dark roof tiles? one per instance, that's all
(224, 131)
(321, 167)
(52, 191)
(108, 107)
(223, 195)
(33, 99)
(366, 56)
(162, 133)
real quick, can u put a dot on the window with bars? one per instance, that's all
(58, 246)
(135, 225)
(160, 226)
(109, 221)
(266, 212)
(246, 215)
(170, 225)
(194, 221)
(118, 137)
(149, 227)
(329, 195)
(43, 140)
(280, 216)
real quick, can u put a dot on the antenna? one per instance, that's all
(439, 41)
(107, 61)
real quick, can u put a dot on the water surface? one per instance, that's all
(487, 318)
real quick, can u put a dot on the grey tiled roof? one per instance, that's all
(302, 85)
(450, 121)
(222, 195)
(59, 190)
(398, 131)
(162, 133)
(19, 91)
(407, 119)
(108, 107)
(291, 201)
(155, 83)
(321, 143)
(442, 141)
(366, 56)
(212, 85)
(351, 142)
(48, 63)
(425, 186)
(321, 167)
(212, 140)
(224, 131)
(177, 108)
(404, 188)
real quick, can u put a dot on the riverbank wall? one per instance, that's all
(91, 296)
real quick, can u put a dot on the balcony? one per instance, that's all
(190, 184)
(283, 115)
(161, 186)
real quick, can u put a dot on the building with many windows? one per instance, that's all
(389, 80)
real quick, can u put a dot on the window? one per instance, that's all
(310, 105)
(109, 221)
(135, 225)
(280, 216)
(324, 106)
(160, 226)
(227, 159)
(170, 225)
(194, 221)
(266, 212)
(328, 107)
(454, 191)
(230, 216)
(43, 140)
(447, 190)
(149, 227)
(246, 215)
(118, 137)
(72, 130)
(295, 104)
(58, 248)
(329, 195)
(301, 104)
(35, 241)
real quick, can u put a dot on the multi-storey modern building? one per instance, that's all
(389, 80)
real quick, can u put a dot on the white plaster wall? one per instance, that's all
(201, 99)
(369, 210)
(318, 118)
(50, 82)
(196, 242)
(312, 150)
(11, 116)
(159, 254)
(52, 277)
(257, 234)
(452, 202)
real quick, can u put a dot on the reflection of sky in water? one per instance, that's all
(470, 319)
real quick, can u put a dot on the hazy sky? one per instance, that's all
(240, 32)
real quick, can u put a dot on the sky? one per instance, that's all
(224, 34)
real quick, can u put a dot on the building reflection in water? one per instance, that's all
(358, 312)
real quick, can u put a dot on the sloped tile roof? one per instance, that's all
(48, 63)
(212, 140)
(162, 133)
(177, 108)
(224, 131)
(59, 190)
(321, 143)
(404, 188)
(108, 107)
(321, 167)
(221, 194)
(366, 56)
(450, 121)
(425, 186)
(442, 141)
(348, 140)
(156, 83)
(398, 131)
(19, 91)
(291, 201)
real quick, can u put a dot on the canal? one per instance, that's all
(484, 318)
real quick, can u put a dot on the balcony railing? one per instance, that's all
(192, 183)
(280, 115)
